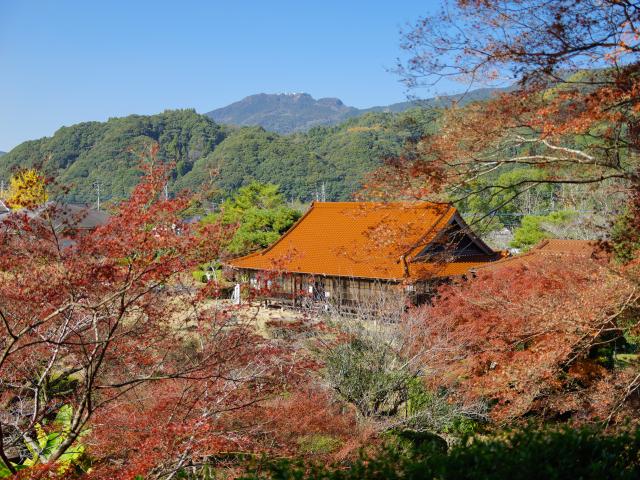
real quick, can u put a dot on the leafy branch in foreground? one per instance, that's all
(100, 324)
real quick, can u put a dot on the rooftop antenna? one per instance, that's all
(97, 185)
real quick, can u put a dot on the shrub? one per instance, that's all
(370, 375)
(524, 454)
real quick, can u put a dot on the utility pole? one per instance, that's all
(96, 185)
(166, 191)
(324, 193)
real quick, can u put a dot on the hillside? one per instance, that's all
(298, 112)
(217, 157)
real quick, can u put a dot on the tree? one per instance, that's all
(100, 324)
(533, 339)
(373, 366)
(261, 214)
(367, 372)
(570, 112)
(216, 158)
(535, 228)
(27, 189)
(572, 109)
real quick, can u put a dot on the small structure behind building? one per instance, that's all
(67, 220)
(551, 250)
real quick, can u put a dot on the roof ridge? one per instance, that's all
(419, 204)
(541, 244)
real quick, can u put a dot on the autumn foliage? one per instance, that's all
(571, 110)
(27, 189)
(113, 365)
(533, 339)
(100, 322)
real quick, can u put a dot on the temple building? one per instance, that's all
(350, 252)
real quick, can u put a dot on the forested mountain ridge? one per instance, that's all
(332, 144)
(218, 157)
(298, 112)
(109, 152)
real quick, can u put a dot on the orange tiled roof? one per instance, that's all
(360, 239)
(568, 247)
(558, 248)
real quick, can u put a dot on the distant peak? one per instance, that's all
(332, 101)
(287, 112)
(280, 94)
(284, 112)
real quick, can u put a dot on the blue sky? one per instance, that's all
(64, 61)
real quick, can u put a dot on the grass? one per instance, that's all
(623, 360)
(318, 444)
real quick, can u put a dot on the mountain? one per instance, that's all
(298, 112)
(110, 152)
(217, 158)
(331, 144)
(2, 153)
(477, 95)
(284, 112)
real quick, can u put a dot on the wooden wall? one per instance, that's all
(296, 288)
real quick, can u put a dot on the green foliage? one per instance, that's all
(49, 437)
(625, 237)
(199, 276)
(211, 157)
(370, 375)
(368, 372)
(260, 228)
(501, 198)
(532, 229)
(261, 214)
(428, 411)
(5, 472)
(254, 195)
(528, 454)
(109, 152)
(213, 269)
(318, 444)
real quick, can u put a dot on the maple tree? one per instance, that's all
(27, 189)
(571, 110)
(532, 338)
(101, 323)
